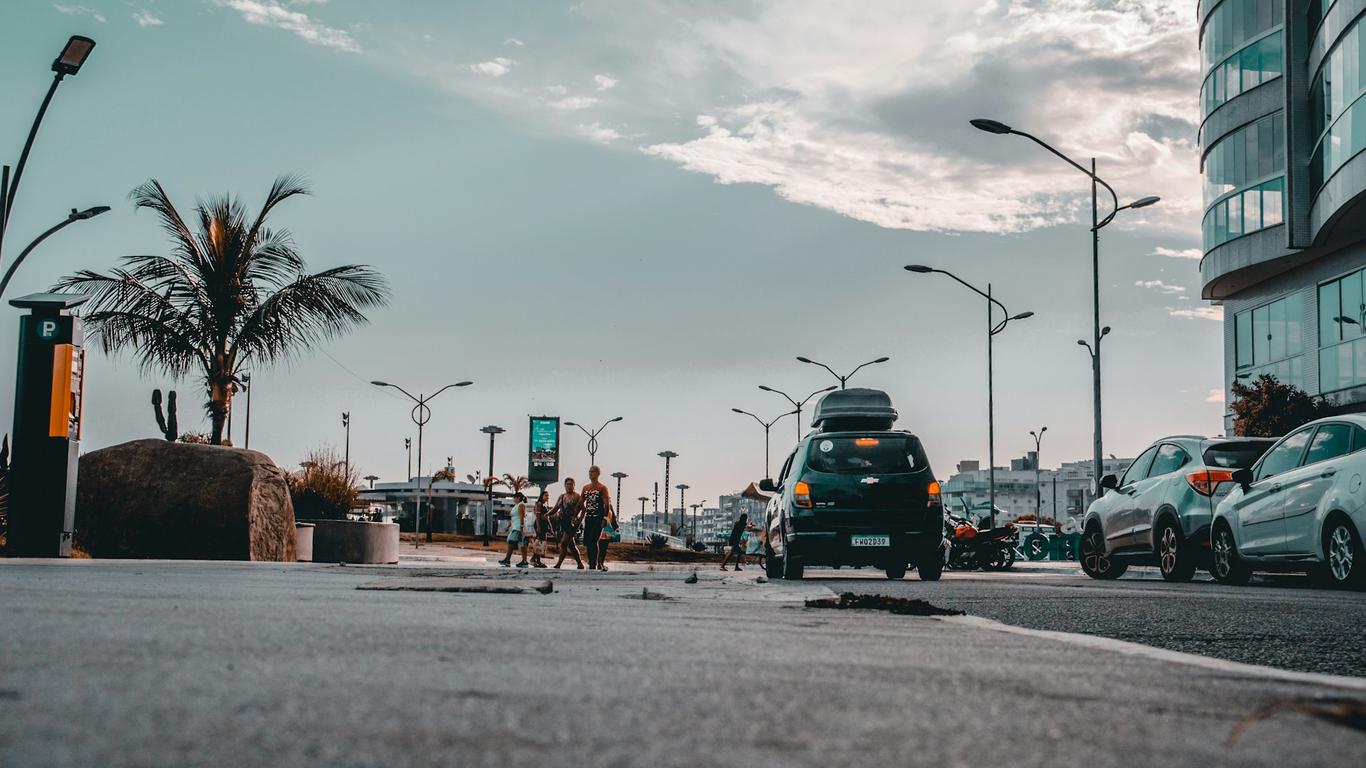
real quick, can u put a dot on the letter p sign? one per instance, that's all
(47, 329)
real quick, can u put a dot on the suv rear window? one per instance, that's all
(1235, 455)
(884, 455)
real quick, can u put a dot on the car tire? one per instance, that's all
(1344, 565)
(1225, 565)
(931, 565)
(790, 566)
(1175, 559)
(1094, 561)
(895, 572)
(773, 565)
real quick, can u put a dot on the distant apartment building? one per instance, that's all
(1062, 493)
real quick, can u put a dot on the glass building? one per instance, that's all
(1283, 156)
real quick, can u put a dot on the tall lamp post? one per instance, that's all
(246, 384)
(667, 456)
(616, 500)
(642, 501)
(346, 457)
(846, 377)
(74, 216)
(408, 444)
(767, 425)
(696, 507)
(1038, 489)
(682, 505)
(421, 414)
(592, 437)
(493, 432)
(68, 62)
(797, 405)
(1097, 223)
(993, 328)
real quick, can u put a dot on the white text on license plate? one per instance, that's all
(870, 541)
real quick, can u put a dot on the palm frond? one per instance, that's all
(152, 196)
(312, 309)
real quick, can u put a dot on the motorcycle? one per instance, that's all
(972, 548)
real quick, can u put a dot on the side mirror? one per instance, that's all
(1109, 482)
(1242, 477)
(766, 485)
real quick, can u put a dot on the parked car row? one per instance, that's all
(1234, 506)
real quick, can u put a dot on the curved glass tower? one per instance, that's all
(1283, 156)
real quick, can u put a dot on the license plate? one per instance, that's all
(870, 541)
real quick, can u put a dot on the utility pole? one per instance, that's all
(346, 422)
(682, 504)
(246, 381)
(492, 432)
(667, 456)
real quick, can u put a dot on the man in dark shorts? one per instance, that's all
(737, 533)
(597, 503)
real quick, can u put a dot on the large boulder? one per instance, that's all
(158, 499)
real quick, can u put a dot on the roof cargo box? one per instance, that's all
(854, 409)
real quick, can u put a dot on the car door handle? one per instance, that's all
(1274, 489)
(1329, 472)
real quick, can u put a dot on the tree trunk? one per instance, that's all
(220, 402)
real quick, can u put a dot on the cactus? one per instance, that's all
(167, 423)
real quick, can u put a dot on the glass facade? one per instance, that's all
(1270, 339)
(1342, 332)
(1338, 106)
(1235, 22)
(1245, 181)
(1316, 11)
(1258, 62)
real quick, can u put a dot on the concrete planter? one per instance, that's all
(353, 541)
(303, 542)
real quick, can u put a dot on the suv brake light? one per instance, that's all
(932, 494)
(1206, 480)
(801, 494)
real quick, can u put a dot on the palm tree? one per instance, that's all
(230, 296)
(514, 483)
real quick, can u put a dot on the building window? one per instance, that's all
(1270, 339)
(1260, 61)
(1342, 338)
(1248, 211)
(1315, 13)
(1338, 106)
(1234, 23)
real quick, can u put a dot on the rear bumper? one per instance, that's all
(831, 547)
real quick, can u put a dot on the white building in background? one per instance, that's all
(1062, 493)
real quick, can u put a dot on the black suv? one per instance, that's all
(855, 492)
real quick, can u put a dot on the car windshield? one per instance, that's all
(863, 455)
(1235, 455)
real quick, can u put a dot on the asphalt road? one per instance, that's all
(1286, 624)
(214, 664)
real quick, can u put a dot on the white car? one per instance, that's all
(1301, 507)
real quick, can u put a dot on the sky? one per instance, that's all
(647, 209)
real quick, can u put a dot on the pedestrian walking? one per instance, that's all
(541, 528)
(737, 532)
(516, 526)
(567, 513)
(597, 503)
(610, 532)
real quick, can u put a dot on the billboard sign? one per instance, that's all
(543, 462)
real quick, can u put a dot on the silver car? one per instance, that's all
(1300, 508)
(1160, 510)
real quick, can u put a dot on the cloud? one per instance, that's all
(270, 13)
(557, 90)
(571, 103)
(144, 18)
(604, 82)
(514, 41)
(495, 67)
(80, 10)
(600, 133)
(1158, 285)
(1186, 253)
(1197, 313)
(1215, 396)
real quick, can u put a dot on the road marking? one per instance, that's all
(1161, 654)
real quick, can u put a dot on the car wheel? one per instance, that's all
(1174, 557)
(1094, 561)
(1226, 567)
(791, 567)
(931, 565)
(895, 572)
(1343, 565)
(773, 565)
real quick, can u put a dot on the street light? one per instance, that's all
(846, 377)
(766, 425)
(997, 127)
(695, 507)
(592, 437)
(420, 414)
(797, 406)
(1038, 490)
(993, 328)
(641, 527)
(74, 216)
(493, 432)
(616, 503)
(667, 456)
(346, 422)
(68, 62)
(682, 505)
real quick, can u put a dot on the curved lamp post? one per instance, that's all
(71, 218)
(421, 414)
(592, 437)
(766, 425)
(1097, 223)
(1038, 489)
(846, 377)
(797, 405)
(993, 328)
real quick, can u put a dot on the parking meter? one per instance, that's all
(47, 426)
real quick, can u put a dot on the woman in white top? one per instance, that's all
(515, 538)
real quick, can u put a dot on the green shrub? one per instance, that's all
(322, 489)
